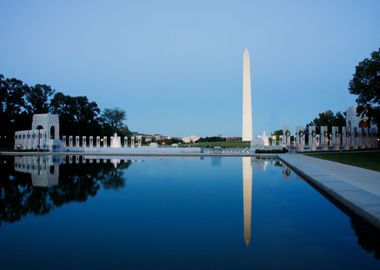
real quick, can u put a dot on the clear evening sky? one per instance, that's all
(175, 67)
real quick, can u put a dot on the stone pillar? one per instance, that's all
(71, 141)
(133, 141)
(286, 136)
(324, 138)
(91, 143)
(84, 141)
(105, 142)
(346, 138)
(70, 158)
(97, 141)
(313, 143)
(300, 139)
(77, 143)
(125, 141)
(336, 138)
(374, 137)
(355, 138)
(369, 138)
(63, 140)
(365, 138)
(139, 139)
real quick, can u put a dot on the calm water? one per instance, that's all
(172, 213)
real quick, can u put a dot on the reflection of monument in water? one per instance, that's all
(249, 165)
(247, 198)
(44, 170)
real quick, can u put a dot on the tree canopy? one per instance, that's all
(328, 118)
(113, 120)
(366, 85)
(78, 115)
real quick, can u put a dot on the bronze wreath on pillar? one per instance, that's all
(337, 134)
(287, 133)
(301, 133)
(326, 134)
(313, 133)
(348, 134)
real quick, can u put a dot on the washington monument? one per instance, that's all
(247, 103)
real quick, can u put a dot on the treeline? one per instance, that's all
(78, 115)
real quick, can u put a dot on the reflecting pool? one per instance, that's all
(83, 212)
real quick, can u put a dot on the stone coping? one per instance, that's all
(355, 188)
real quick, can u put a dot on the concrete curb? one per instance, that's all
(360, 202)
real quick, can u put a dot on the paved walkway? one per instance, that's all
(356, 188)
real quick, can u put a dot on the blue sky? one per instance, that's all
(175, 67)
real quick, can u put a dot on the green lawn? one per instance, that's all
(368, 160)
(220, 144)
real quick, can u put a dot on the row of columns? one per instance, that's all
(347, 138)
(31, 139)
(96, 141)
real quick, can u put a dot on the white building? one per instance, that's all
(44, 134)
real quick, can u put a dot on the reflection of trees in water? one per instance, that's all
(368, 237)
(77, 182)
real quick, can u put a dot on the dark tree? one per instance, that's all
(77, 115)
(13, 108)
(38, 97)
(113, 120)
(366, 84)
(328, 118)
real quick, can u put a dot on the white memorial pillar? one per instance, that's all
(312, 138)
(336, 138)
(105, 142)
(369, 138)
(374, 137)
(125, 141)
(91, 143)
(84, 141)
(324, 138)
(346, 138)
(355, 138)
(133, 141)
(300, 139)
(365, 137)
(97, 141)
(77, 139)
(63, 140)
(139, 141)
(286, 136)
(71, 141)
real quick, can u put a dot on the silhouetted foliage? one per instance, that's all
(113, 121)
(211, 139)
(78, 115)
(366, 84)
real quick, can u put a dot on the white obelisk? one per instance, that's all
(247, 104)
